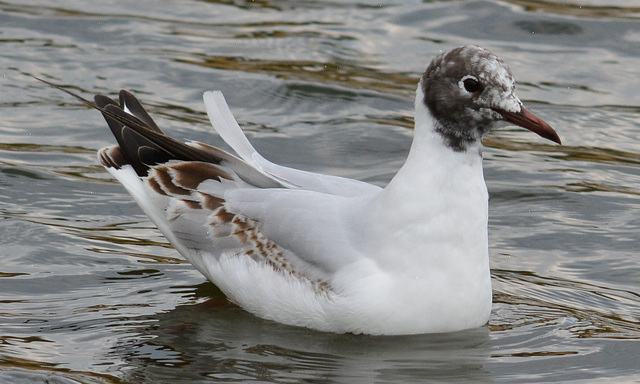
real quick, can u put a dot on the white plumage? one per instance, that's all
(326, 252)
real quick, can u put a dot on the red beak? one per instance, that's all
(528, 120)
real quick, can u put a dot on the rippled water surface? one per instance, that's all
(90, 292)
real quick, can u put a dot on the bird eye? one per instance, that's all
(471, 84)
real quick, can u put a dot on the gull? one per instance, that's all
(325, 252)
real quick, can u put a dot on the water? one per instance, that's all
(90, 292)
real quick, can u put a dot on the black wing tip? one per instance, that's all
(130, 101)
(141, 143)
(121, 122)
(103, 100)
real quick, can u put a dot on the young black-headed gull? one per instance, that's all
(326, 252)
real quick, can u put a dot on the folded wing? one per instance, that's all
(210, 203)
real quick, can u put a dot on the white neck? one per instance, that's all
(438, 200)
(426, 234)
(432, 167)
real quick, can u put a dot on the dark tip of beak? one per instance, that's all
(528, 120)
